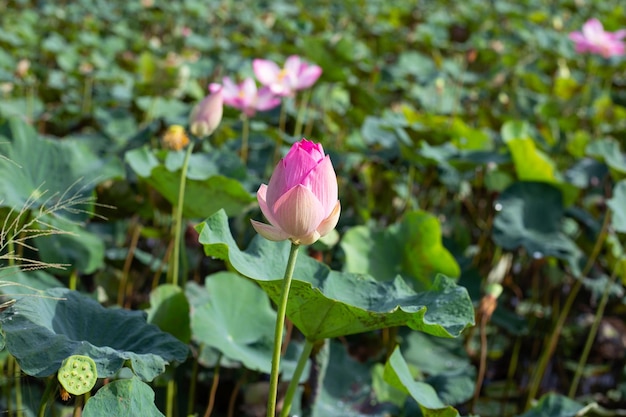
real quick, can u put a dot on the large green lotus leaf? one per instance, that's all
(398, 375)
(124, 397)
(70, 323)
(530, 215)
(530, 163)
(18, 282)
(76, 247)
(233, 315)
(60, 168)
(169, 310)
(617, 204)
(411, 248)
(325, 303)
(344, 385)
(204, 194)
(554, 405)
(445, 364)
(608, 150)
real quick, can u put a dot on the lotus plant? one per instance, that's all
(594, 39)
(300, 202)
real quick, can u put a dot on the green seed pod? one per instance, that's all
(78, 374)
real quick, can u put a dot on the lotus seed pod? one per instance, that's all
(78, 374)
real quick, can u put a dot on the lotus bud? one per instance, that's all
(300, 201)
(207, 115)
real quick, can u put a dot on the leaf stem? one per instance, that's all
(301, 112)
(47, 395)
(179, 217)
(295, 379)
(244, 138)
(278, 334)
(547, 353)
(216, 381)
(591, 336)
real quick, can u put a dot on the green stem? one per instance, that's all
(73, 280)
(278, 334)
(547, 353)
(282, 121)
(19, 408)
(295, 379)
(194, 382)
(78, 406)
(244, 138)
(591, 336)
(170, 397)
(178, 221)
(47, 395)
(301, 112)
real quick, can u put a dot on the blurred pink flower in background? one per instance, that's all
(246, 97)
(207, 115)
(296, 75)
(300, 201)
(594, 39)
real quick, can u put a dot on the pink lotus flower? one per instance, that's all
(297, 75)
(207, 115)
(300, 201)
(246, 97)
(594, 39)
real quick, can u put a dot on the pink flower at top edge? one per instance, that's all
(300, 201)
(296, 75)
(246, 97)
(594, 39)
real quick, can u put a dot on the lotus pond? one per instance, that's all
(473, 265)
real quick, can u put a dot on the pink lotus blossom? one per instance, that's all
(300, 202)
(207, 115)
(246, 97)
(297, 75)
(596, 40)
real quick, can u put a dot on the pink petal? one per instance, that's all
(265, 71)
(269, 232)
(266, 100)
(293, 64)
(308, 77)
(309, 239)
(277, 185)
(322, 182)
(592, 28)
(261, 196)
(298, 212)
(330, 222)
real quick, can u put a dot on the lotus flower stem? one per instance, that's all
(548, 351)
(216, 381)
(47, 395)
(278, 334)
(592, 335)
(178, 220)
(295, 379)
(244, 138)
(297, 132)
